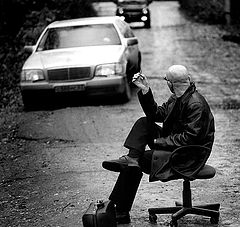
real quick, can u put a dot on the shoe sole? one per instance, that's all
(113, 166)
(117, 167)
(125, 221)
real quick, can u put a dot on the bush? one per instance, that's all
(211, 11)
(28, 26)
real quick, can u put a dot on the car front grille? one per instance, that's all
(78, 73)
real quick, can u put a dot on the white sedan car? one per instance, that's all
(86, 56)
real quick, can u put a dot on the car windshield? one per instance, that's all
(79, 36)
(132, 1)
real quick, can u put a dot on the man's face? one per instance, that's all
(170, 84)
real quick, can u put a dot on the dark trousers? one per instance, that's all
(142, 133)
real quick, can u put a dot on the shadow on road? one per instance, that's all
(55, 102)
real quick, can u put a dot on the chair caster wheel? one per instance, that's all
(153, 218)
(173, 223)
(214, 220)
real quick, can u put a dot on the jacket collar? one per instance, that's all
(187, 94)
(184, 98)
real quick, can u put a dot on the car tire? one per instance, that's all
(139, 61)
(127, 94)
(27, 101)
(148, 23)
(131, 70)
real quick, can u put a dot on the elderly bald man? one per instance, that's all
(186, 120)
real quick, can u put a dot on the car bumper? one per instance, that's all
(97, 86)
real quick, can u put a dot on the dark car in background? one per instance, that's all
(134, 11)
(89, 56)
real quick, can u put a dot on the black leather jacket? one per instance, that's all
(186, 120)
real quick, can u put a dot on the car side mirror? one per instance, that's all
(132, 41)
(28, 49)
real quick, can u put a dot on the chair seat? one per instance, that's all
(206, 172)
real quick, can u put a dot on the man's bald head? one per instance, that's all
(178, 74)
(178, 79)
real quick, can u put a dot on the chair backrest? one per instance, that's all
(187, 161)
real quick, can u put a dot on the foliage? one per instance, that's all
(22, 21)
(211, 11)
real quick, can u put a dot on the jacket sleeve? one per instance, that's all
(151, 109)
(194, 129)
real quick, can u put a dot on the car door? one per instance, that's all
(132, 49)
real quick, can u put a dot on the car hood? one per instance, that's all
(81, 56)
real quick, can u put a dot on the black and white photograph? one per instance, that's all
(119, 113)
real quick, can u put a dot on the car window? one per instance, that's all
(128, 33)
(125, 29)
(79, 36)
(132, 1)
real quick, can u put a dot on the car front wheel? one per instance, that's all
(147, 23)
(27, 101)
(127, 93)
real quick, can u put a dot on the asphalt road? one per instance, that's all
(52, 169)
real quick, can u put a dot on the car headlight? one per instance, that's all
(107, 70)
(32, 75)
(145, 11)
(120, 10)
(122, 18)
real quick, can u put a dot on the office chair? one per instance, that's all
(191, 155)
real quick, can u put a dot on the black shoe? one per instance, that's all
(123, 217)
(117, 165)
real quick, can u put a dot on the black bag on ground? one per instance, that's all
(100, 214)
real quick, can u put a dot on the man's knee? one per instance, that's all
(142, 121)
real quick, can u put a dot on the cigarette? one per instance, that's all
(139, 75)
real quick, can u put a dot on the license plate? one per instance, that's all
(70, 88)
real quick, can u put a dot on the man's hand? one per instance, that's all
(160, 143)
(140, 80)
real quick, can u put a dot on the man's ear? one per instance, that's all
(171, 88)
